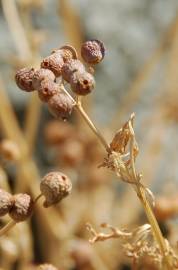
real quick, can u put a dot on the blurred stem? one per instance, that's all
(7, 227)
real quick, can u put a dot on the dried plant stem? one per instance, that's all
(155, 227)
(139, 188)
(7, 227)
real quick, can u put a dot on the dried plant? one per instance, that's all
(121, 153)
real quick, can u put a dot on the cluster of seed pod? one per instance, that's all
(54, 187)
(62, 63)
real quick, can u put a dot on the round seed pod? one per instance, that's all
(40, 75)
(9, 150)
(22, 207)
(60, 105)
(82, 83)
(54, 62)
(57, 132)
(23, 79)
(46, 267)
(6, 202)
(55, 186)
(71, 67)
(67, 52)
(93, 51)
(47, 89)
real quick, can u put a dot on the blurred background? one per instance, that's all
(139, 74)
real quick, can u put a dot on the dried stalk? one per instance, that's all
(138, 187)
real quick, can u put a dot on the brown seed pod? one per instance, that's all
(6, 202)
(9, 150)
(57, 132)
(40, 75)
(67, 52)
(71, 153)
(82, 83)
(54, 62)
(93, 51)
(22, 207)
(55, 186)
(46, 267)
(70, 68)
(23, 79)
(47, 89)
(81, 253)
(60, 105)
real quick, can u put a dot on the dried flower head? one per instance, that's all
(55, 186)
(70, 68)
(67, 52)
(9, 150)
(60, 105)
(40, 75)
(6, 202)
(93, 51)
(82, 83)
(46, 266)
(22, 207)
(23, 79)
(47, 89)
(54, 62)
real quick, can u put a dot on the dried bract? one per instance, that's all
(93, 51)
(22, 207)
(40, 75)
(60, 105)
(82, 83)
(55, 186)
(23, 79)
(6, 202)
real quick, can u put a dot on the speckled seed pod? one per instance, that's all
(22, 207)
(54, 62)
(6, 202)
(93, 51)
(46, 267)
(60, 105)
(71, 67)
(55, 186)
(67, 52)
(47, 89)
(23, 79)
(40, 75)
(82, 83)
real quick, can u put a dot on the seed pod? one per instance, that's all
(40, 75)
(23, 79)
(47, 89)
(6, 202)
(67, 52)
(82, 83)
(93, 51)
(55, 186)
(57, 132)
(9, 150)
(71, 67)
(46, 267)
(60, 105)
(54, 62)
(22, 207)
